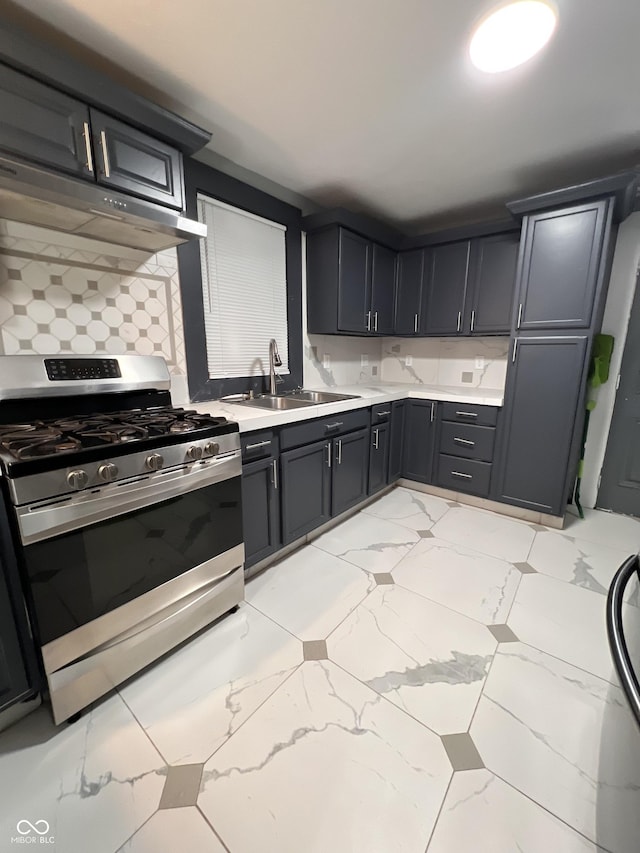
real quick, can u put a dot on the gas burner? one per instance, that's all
(111, 434)
(31, 441)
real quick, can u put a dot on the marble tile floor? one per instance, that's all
(423, 677)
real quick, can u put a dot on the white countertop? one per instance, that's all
(252, 418)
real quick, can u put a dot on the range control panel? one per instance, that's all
(68, 369)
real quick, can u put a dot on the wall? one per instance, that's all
(65, 294)
(616, 318)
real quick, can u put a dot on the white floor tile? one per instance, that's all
(94, 781)
(171, 830)
(192, 701)
(566, 739)
(618, 531)
(412, 509)
(492, 534)
(310, 592)
(373, 544)
(326, 764)
(474, 584)
(483, 814)
(424, 658)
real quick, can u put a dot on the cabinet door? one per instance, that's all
(43, 125)
(448, 268)
(383, 289)
(14, 682)
(260, 509)
(419, 430)
(561, 266)
(379, 458)
(306, 489)
(543, 408)
(492, 284)
(130, 160)
(354, 283)
(350, 463)
(409, 292)
(396, 440)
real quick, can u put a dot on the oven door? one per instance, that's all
(124, 589)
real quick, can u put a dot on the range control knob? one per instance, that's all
(154, 462)
(194, 453)
(77, 479)
(213, 448)
(108, 472)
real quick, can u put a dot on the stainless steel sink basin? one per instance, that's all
(276, 403)
(321, 396)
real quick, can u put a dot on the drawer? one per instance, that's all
(258, 445)
(464, 475)
(467, 413)
(471, 442)
(380, 414)
(329, 427)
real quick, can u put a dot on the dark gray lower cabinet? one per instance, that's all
(349, 476)
(379, 458)
(260, 510)
(396, 440)
(543, 408)
(306, 489)
(419, 434)
(14, 681)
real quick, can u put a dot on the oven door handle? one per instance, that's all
(46, 520)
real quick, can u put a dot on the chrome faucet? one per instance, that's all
(274, 361)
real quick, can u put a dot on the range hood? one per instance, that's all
(52, 200)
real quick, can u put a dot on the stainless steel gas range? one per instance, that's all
(126, 515)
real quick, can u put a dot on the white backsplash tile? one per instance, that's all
(345, 360)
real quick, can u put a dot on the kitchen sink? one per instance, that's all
(276, 403)
(321, 396)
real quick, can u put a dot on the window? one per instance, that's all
(244, 290)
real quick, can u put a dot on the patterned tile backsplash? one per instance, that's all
(65, 294)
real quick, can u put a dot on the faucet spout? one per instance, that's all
(274, 361)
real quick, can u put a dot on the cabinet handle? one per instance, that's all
(87, 146)
(467, 414)
(339, 451)
(515, 349)
(376, 434)
(274, 473)
(459, 321)
(105, 154)
(336, 425)
(460, 474)
(433, 412)
(464, 441)
(257, 445)
(368, 321)
(375, 322)
(382, 414)
(473, 320)
(329, 455)
(519, 316)
(415, 322)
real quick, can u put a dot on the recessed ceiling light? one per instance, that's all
(512, 34)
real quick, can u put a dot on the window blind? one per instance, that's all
(244, 290)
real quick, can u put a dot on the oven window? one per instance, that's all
(79, 576)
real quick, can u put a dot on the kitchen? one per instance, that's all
(296, 496)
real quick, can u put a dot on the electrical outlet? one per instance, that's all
(364, 360)
(408, 360)
(479, 362)
(326, 360)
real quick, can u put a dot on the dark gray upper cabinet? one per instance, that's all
(350, 284)
(14, 681)
(562, 264)
(491, 286)
(448, 271)
(379, 458)
(260, 509)
(306, 489)
(349, 478)
(43, 125)
(409, 292)
(419, 440)
(396, 440)
(129, 160)
(543, 406)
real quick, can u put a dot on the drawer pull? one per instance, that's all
(376, 437)
(274, 473)
(257, 445)
(328, 446)
(87, 145)
(339, 451)
(337, 425)
(433, 412)
(464, 441)
(460, 474)
(382, 414)
(467, 414)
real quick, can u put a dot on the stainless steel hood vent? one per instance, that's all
(51, 200)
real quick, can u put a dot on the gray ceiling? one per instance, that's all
(373, 103)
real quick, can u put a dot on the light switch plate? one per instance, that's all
(479, 362)
(364, 360)
(408, 360)
(326, 360)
